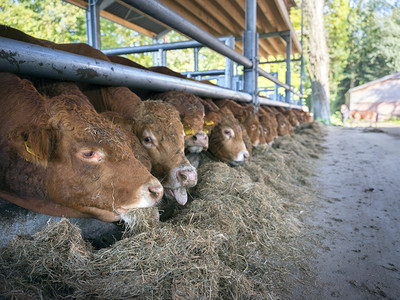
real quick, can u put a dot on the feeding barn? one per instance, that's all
(234, 231)
(381, 96)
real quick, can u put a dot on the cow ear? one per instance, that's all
(117, 120)
(34, 144)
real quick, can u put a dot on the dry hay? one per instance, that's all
(241, 237)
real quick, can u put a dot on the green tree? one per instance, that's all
(364, 45)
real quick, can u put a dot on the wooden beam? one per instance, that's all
(125, 23)
(215, 11)
(83, 4)
(195, 15)
(285, 15)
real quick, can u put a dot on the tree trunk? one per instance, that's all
(318, 58)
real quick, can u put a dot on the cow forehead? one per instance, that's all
(83, 123)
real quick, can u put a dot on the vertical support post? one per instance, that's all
(230, 42)
(250, 50)
(302, 72)
(163, 57)
(155, 53)
(93, 23)
(288, 39)
(196, 59)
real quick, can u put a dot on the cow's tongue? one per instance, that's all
(180, 195)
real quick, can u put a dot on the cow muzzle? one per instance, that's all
(197, 143)
(186, 176)
(149, 195)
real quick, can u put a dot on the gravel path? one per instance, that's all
(357, 219)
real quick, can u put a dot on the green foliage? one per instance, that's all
(48, 19)
(363, 40)
(336, 119)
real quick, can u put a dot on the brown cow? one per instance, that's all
(247, 116)
(191, 111)
(269, 124)
(176, 174)
(158, 127)
(58, 156)
(284, 127)
(225, 134)
(289, 115)
(368, 115)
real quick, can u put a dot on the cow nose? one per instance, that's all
(201, 139)
(156, 192)
(246, 155)
(187, 176)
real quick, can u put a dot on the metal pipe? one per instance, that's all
(230, 42)
(174, 20)
(277, 61)
(155, 47)
(93, 24)
(250, 49)
(196, 59)
(20, 57)
(266, 101)
(288, 39)
(204, 73)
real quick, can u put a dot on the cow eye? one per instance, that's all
(91, 156)
(147, 140)
(228, 133)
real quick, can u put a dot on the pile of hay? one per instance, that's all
(241, 237)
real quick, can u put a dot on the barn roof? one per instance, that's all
(377, 81)
(217, 17)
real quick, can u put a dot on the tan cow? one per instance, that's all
(169, 164)
(289, 115)
(269, 124)
(284, 126)
(58, 156)
(247, 116)
(191, 112)
(225, 134)
(368, 115)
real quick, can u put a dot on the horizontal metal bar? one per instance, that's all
(156, 47)
(205, 73)
(278, 61)
(174, 20)
(275, 80)
(267, 101)
(272, 78)
(20, 57)
(267, 35)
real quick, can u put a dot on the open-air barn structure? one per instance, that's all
(255, 28)
(381, 96)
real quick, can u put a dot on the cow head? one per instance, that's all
(226, 139)
(80, 159)
(247, 116)
(269, 125)
(191, 112)
(284, 127)
(159, 129)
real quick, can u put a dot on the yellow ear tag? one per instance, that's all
(29, 150)
(188, 129)
(208, 123)
(206, 130)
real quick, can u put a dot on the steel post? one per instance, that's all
(93, 24)
(230, 42)
(288, 39)
(250, 50)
